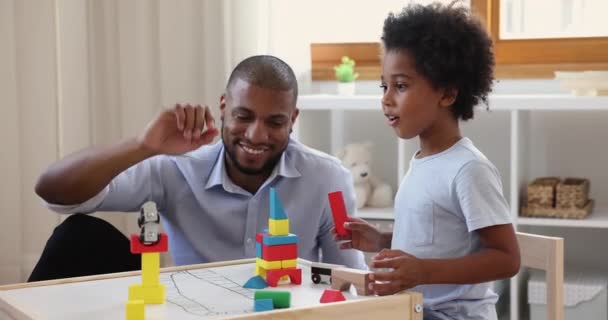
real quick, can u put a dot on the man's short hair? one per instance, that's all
(266, 72)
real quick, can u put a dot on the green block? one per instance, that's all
(280, 299)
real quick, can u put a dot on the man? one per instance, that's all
(215, 198)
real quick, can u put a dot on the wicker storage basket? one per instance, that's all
(564, 213)
(541, 192)
(572, 193)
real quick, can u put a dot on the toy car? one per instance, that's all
(148, 222)
(321, 272)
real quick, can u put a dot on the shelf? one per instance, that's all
(597, 219)
(546, 102)
(335, 102)
(375, 213)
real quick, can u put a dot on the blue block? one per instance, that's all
(276, 209)
(258, 250)
(263, 305)
(255, 282)
(279, 240)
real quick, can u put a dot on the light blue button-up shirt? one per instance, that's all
(209, 218)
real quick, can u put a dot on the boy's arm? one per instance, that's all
(386, 239)
(497, 259)
(478, 190)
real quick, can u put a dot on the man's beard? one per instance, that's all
(265, 169)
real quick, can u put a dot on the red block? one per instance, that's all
(273, 276)
(330, 295)
(260, 236)
(338, 210)
(280, 252)
(161, 246)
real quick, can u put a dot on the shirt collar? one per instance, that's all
(285, 168)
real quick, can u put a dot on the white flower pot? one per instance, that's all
(346, 88)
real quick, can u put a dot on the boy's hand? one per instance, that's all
(364, 236)
(407, 272)
(179, 130)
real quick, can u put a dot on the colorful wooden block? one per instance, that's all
(268, 265)
(260, 305)
(280, 252)
(259, 271)
(150, 269)
(150, 295)
(278, 227)
(260, 236)
(342, 278)
(258, 251)
(135, 310)
(161, 246)
(276, 208)
(273, 276)
(338, 211)
(280, 299)
(286, 264)
(330, 295)
(255, 282)
(279, 240)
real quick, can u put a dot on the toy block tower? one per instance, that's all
(149, 243)
(276, 248)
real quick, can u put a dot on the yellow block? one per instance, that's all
(150, 295)
(268, 265)
(150, 269)
(135, 310)
(259, 271)
(285, 264)
(278, 227)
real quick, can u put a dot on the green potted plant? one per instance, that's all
(346, 76)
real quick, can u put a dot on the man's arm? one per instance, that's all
(84, 174)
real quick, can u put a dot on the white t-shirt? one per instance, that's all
(441, 201)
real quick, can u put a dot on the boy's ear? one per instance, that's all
(449, 97)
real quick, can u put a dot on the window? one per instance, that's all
(520, 52)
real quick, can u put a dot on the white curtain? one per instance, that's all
(75, 73)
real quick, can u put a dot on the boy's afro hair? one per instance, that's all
(449, 47)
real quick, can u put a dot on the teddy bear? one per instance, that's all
(369, 190)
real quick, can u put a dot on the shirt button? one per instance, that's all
(249, 240)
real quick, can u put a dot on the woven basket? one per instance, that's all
(572, 193)
(541, 192)
(564, 213)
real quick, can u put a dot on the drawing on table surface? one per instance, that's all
(185, 290)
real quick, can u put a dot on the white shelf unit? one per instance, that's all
(519, 161)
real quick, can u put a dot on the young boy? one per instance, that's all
(452, 233)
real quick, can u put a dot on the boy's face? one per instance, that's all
(410, 103)
(256, 123)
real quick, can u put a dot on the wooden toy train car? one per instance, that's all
(321, 272)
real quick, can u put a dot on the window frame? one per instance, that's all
(515, 59)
